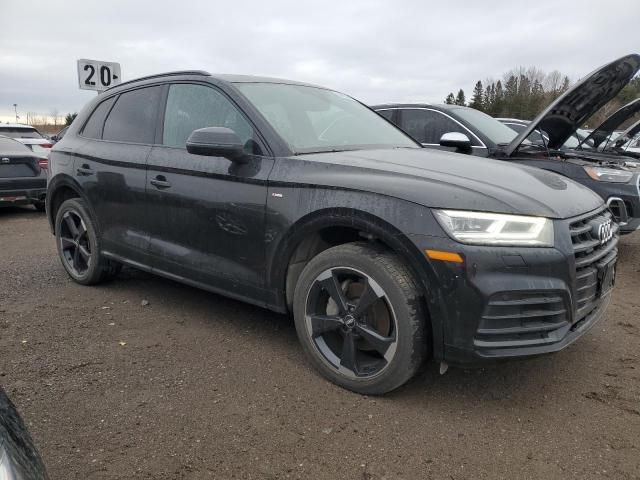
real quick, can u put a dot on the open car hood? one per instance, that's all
(624, 137)
(571, 109)
(606, 128)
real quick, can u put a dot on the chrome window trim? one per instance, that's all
(482, 145)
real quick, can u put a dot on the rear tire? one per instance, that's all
(367, 349)
(79, 245)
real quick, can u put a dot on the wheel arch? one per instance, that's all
(329, 227)
(62, 188)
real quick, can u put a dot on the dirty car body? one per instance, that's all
(250, 223)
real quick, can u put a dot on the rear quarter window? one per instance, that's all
(133, 117)
(93, 127)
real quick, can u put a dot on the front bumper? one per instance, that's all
(507, 302)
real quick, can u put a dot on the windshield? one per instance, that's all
(312, 119)
(17, 132)
(491, 128)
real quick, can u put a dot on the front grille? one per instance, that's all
(513, 319)
(590, 253)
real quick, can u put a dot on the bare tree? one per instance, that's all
(553, 81)
(55, 113)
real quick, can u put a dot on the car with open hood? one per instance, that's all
(541, 138)
(604, 138)
(300, 199)
(466, 130)
(606, 131)
(622, 144)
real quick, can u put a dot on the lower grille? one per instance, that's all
(517, 319)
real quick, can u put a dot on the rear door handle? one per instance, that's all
(85, 170)
(160, 182)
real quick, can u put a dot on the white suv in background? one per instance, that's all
(27, 135)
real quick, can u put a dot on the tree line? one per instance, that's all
(524, 92)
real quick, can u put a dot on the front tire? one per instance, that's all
(360, 318)
(79, 246)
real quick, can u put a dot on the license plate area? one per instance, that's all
(606, 277)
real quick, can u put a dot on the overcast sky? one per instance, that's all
(376, 51)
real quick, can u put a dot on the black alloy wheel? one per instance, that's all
(79, 244)
(351, 322)
(74, 243)
(361, 318)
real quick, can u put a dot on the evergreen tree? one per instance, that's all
(460, 98)
(510, 97)
(70, 118)
(498, 99)
(477, 101)
(537, 99)
(489, 94)
(450, 100)
(523, 102)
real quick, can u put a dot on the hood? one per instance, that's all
(440, 179)
(571, 109)
(625, 136)
(606, 128)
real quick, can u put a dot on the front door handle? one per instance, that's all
(84, 170)
(160, 182)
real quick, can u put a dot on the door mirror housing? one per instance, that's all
(456, 140)
(216, 142)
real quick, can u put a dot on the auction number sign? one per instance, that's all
(97, 75)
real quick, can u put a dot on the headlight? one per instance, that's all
(612, 175)
(480, 228)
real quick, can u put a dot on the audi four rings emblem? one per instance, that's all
(605, 232)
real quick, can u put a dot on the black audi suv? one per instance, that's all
(466, 130)
(300, 199)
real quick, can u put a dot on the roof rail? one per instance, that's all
(158, 75)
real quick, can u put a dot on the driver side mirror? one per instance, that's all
(456, 140)
(216, 142)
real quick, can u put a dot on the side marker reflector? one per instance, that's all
(444, 256)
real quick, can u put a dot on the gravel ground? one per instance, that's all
(195, 386)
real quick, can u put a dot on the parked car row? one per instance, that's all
(301, 199)
(27, 135)
(553, 141)
(23, 179)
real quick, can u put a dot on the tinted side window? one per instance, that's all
(386, 114)
(190, 107)
(133, 117)
(93, 127)
(427, 126)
